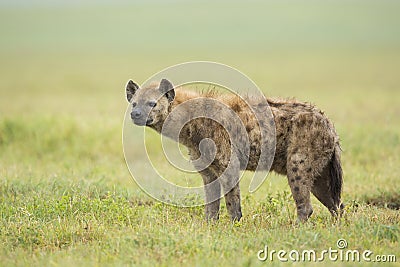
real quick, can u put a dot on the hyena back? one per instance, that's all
(307, 145)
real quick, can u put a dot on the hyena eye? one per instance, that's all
(152, 104)
(133, 104)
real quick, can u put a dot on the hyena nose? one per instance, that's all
(136, 114)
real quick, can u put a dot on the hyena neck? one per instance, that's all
(173, 121)
(158, 127)
(176, 118)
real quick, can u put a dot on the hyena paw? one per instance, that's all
(337, 212)
(237, 216)
(304, 212)
(212, 215)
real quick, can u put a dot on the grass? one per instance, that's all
(66, 196)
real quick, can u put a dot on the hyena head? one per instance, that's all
(150, 105)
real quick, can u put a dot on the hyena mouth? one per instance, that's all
(143, 122)
(149, 121)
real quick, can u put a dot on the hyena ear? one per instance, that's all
(167, 89)
(131, 88)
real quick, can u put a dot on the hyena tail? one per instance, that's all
(336, 175)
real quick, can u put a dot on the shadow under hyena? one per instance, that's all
(307, 147)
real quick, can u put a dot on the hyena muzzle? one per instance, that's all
(307, 146)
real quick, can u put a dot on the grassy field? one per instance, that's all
(66, 196)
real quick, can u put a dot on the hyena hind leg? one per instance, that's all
(300, 182)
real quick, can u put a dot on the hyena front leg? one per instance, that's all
(229, 180)
(212, 189)
(232, 200)
(300, 181)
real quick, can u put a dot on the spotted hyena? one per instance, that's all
(307, 145)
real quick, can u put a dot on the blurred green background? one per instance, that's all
(69, 61)
(53, 50)
(64, 65)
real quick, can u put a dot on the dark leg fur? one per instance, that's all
(230, 185)
(213, 194)
(327, 187)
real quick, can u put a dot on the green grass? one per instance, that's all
(66, 196)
